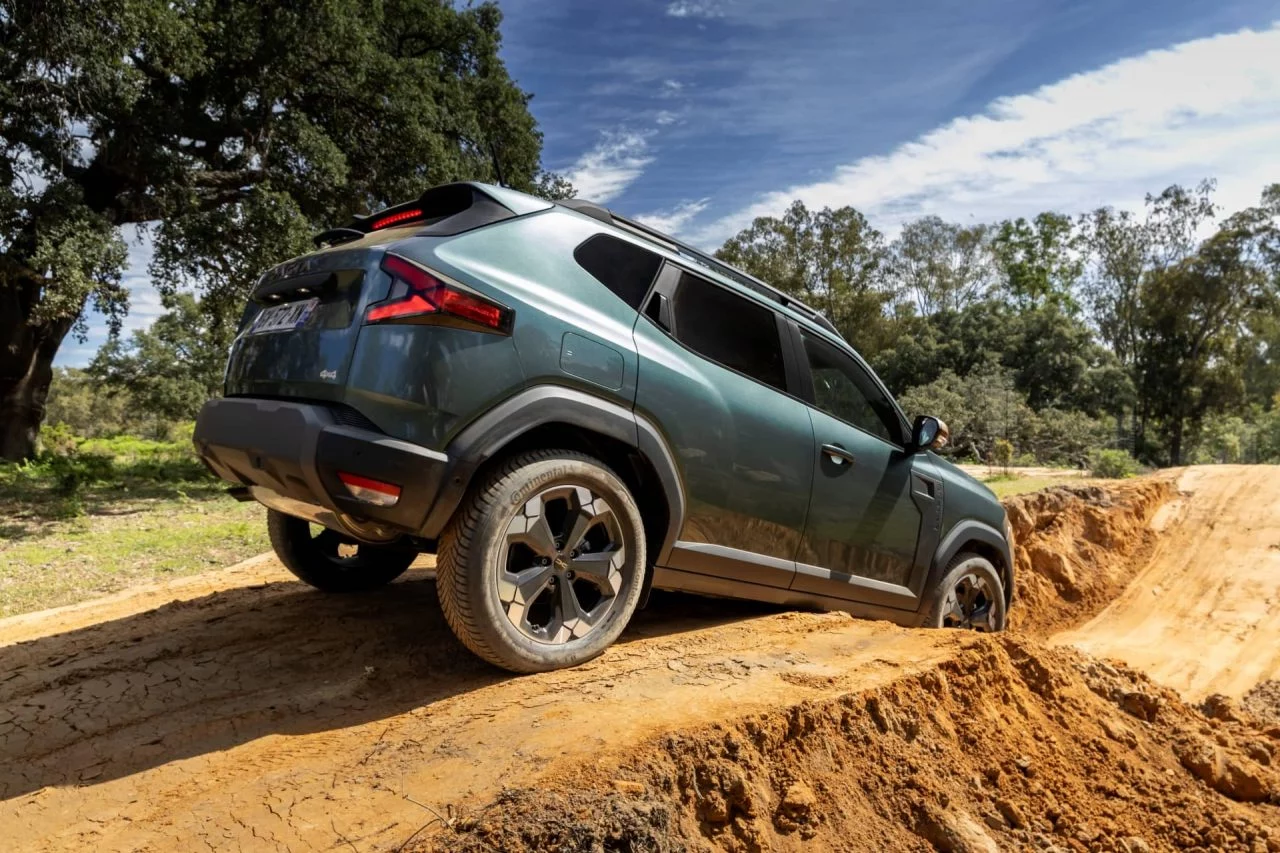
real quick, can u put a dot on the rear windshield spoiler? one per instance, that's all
(442, 211)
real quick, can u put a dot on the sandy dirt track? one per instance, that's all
(241, 710)
(1204, 616)
(255, 713)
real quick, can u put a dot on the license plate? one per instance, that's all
(283, 318)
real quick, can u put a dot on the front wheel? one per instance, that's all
(970, 596)
(542, 566)
(329, 561)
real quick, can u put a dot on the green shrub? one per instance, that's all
(68, 463)
(1002, 453)
(1113, 464)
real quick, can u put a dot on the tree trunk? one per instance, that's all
(26, 369)
(1175, 442)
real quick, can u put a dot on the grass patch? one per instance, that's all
(132, 542)
(1005, 486)
(100, 515)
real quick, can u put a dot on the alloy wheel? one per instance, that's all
(561, 567)
(970, 604)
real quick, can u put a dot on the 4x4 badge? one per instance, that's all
(328, 374)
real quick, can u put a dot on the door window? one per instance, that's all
(842, 389)
(728, 329)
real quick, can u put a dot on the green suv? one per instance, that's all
(569, 408)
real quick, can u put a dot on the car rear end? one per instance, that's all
(349, 366)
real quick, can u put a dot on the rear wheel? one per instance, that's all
(330, 561)
(970, 596)
(542, 566)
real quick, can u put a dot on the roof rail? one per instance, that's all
(728, 270)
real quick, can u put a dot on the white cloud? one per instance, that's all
(670, 88)
(696, 9)
(606, 170)
(665, 117)
(674, 220)
(1204, 108)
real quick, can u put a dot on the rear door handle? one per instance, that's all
(838, 454)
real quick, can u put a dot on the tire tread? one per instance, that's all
(458, 542)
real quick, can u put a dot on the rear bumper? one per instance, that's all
(295, 451)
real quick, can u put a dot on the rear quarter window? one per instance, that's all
(624, 268)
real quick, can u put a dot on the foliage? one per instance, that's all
(1002, 453)
(985, 411)
(830, 259)
(240, 127)
(67, 465)
(1049, 353)
(170, 369)
(1193, 315)
(1267, 434)
(1039, 260)
(979, 409)
(1113, 464)
(941, 266)
(86, 406)
(1059, 336)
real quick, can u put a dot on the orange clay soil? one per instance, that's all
(240, 710)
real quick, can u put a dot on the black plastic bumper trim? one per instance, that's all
(297, 449)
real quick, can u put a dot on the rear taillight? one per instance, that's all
(370, 491)
(417, 296)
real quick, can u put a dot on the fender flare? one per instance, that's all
(486, 436)
(971, 530)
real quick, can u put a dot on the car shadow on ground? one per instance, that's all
(207, 674)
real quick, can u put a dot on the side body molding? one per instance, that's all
(547, 404)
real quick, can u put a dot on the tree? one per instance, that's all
(831, 260)
(79, 401)
(170, 369)
(942, 266)
(1120, 249)
(1039, 260)
(1122, 252)
(979, 409)
(240, 127)
(1194, 314)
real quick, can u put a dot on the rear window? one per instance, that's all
(624, 268)
(729, 330)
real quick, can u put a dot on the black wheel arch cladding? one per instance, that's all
(501, 428)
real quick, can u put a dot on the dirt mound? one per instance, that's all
(1008, 745)
(1077, 548)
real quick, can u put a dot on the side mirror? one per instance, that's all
(929, 433)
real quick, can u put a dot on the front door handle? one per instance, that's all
(838, 454)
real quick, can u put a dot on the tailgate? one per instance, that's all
(299, 329)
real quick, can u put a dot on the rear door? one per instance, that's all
(874, 513)
(712, 367)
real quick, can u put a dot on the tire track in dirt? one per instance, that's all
(1204, 615)
(262, 714)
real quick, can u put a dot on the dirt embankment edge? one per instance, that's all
(1009, 745)
(1077, 547)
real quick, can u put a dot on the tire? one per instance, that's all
(317, 560)
(970, 596)
(514, 588)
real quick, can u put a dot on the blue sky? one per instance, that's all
(698, 115)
